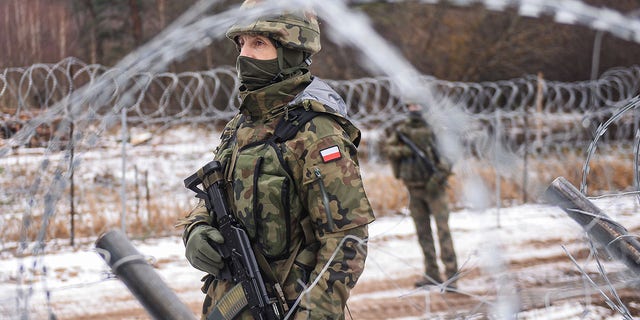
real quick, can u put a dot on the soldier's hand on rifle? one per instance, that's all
(200, 250)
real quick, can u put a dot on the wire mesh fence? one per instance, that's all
(525, 113)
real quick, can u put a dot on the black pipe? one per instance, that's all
(138, 275)
(610, 234)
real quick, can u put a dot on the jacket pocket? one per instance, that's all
(262, 201)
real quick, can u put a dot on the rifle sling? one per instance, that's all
(271, 277)
(264, 265)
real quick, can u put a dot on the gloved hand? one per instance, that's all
(200, 253)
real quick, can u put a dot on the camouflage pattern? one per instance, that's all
(427, 192)
(298, 31)
(409, 167)
(423, 205)
(278, 195)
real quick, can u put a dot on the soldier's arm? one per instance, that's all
(340, 212)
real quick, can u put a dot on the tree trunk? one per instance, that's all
(63, 31)
(6, 37)
(93, 32)
(34, 30)
(162, 16)
(136, 22)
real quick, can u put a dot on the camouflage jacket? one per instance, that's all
(408, 166)
(300, 198)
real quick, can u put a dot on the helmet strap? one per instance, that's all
(286, 69)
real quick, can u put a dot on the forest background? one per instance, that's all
(470, 44)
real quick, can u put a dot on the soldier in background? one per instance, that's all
(412, 151)
(298, 192)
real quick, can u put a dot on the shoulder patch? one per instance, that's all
(330, 154)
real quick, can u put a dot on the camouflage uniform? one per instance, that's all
(297, 202)
(427, 192)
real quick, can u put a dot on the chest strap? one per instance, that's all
(289, 126)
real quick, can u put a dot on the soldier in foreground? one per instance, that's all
(289, 161)
(412, 150)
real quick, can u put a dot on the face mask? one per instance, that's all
(291, 60)
(255, 74)
(415, 114)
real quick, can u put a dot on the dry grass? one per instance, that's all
(97, 210)
(389, 196)
(98, 205)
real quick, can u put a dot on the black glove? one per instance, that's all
(200, 251)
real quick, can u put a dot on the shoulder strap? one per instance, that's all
(289, 126)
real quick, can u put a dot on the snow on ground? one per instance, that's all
(522, 252)
(78, 282)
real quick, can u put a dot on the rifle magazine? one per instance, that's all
(230, 305)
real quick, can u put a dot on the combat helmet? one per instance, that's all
(297, 31)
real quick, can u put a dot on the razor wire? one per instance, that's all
(518, 118)
(547, 117)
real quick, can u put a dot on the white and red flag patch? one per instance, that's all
(330, 154)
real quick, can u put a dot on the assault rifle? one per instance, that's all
(430, 166)
(240, 264)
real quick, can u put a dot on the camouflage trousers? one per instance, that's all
(423, 205)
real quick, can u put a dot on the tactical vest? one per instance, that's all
(412, 169)
(264, 194)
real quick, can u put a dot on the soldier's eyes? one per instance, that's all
(256, 43)
(260, 43)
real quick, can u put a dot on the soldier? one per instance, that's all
(424, 172)
(298, 192)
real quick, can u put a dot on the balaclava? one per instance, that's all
(255, 74)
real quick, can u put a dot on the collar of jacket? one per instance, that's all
(269, 101)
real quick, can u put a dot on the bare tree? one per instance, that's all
(136, 22)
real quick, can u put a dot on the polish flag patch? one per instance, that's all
(330, 154)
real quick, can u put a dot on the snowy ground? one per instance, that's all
(515, 262)
(505, 271)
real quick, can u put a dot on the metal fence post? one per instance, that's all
(123, 196)
(138, 275)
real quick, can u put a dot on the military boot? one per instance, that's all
(428, 280)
